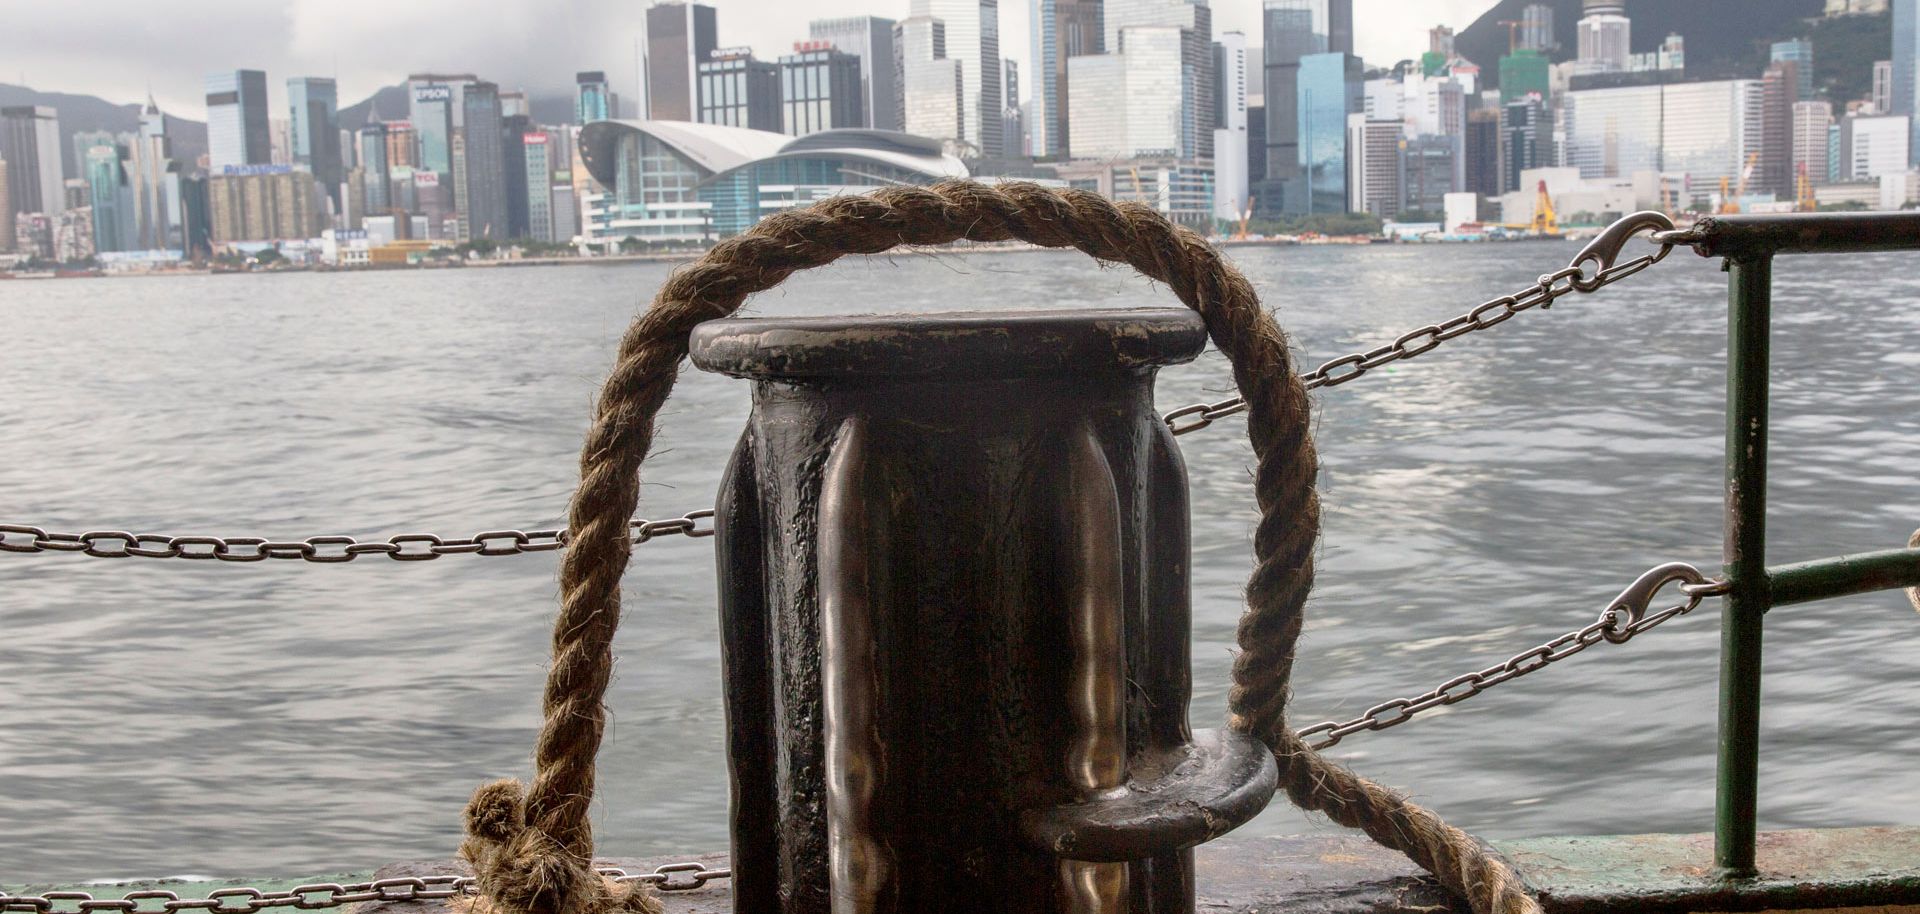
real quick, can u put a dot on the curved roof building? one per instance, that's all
(674, 181)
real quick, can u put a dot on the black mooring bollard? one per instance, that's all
(954, 595)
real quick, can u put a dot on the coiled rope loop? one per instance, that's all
(532, 845)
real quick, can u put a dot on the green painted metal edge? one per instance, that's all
(1805, 869)
(1844, 576)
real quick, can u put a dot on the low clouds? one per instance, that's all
(118, 49)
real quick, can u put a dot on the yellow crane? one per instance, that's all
(1804, 200)
(1546, 223)
(1731, 204)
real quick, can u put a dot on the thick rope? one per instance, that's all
(532, 846)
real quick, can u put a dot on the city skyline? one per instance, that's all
(115, 50)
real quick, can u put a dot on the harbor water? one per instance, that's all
(160, 718)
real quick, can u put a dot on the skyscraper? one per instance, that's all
(485, 180)
(539, 180)
(1779, 90)
(1812, 123)
(237, 129)
(313, 104)
(679, 36)
(110, 197)
(871, 39)
(1606, 36)
(1329, 92)
(1128, 103)
(435, 108)
(1061, 29)
(593, 100)
(30, 144)
(1374, 172)
(1799, 52)
(819, 90)
(973, 39)
(932, 85)
(374, 165)
(1291, 33)
(1195, 20)
(513, 169)
(1536, 29)
(1230, 135)
(738, 91)
(155, 178)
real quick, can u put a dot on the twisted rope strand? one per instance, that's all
(532, 846)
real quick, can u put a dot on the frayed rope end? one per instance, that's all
(522, 871)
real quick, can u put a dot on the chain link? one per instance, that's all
(1542, 294)
(407, 547)
(673, 877)
(1623, 619)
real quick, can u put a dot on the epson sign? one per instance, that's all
(433, 94)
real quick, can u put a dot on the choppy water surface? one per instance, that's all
(197, 717)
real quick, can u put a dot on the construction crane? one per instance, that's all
(1804, 200)
(1546, 222)
(1731, 204)
(1513, 34)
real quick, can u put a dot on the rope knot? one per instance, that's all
(523, 871)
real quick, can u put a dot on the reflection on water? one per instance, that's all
(169, 717)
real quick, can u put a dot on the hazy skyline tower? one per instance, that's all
(486, 214)
(1061, 30)
(973, 39)
(819, 90)
(313, 104)
(871, 39)
(1195, 21)
(593, 99)
(679, 37)
(30, 145)
(237, 128)
(434, 109)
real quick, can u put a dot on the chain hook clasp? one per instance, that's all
(1604, 250)
(1623, 615)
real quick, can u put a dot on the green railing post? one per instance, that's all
(1749, 319)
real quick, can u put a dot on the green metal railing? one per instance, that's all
(1749, 244)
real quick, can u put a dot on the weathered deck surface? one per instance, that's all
(1858, 870)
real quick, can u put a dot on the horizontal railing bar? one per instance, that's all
(1746, 236)
(1843, 576)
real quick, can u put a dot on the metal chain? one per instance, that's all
(673, 877)
(414, 547)
(1542, 294)
(1622, 620)
(407, 547)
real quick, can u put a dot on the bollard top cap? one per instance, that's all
(961, 344)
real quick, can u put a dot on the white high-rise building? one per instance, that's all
(932, 85)
(1374, 166)
(1606, 36)
(1811, 123)
(1230, 175)
(1873, 146)
(1195, 20)
(1128, 104)
(973, 40)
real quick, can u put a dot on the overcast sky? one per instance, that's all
(118, 49)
